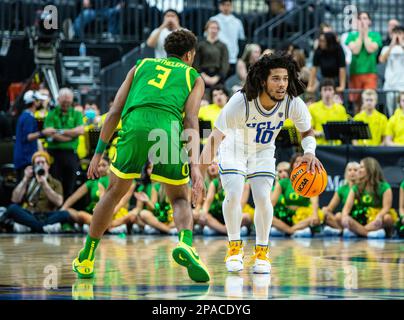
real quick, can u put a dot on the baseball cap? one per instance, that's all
(30, 96)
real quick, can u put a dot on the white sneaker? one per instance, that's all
(378, 234)
(119, 229)
(197, 229)
(52, 228)
(207, 231)
(86, 228)
(234, 257)
(276, 233)
(173, 232)
(244, 231)
(304, 233)
(150, 230)
(349, 234)
(135, 229)
(233, 286)
(20, 228)
(331, 232)
(262, 263)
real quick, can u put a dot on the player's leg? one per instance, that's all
(233, 185)
(184, 254)
(261, 189)
(83, 265)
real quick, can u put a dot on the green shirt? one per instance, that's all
(59, 120)
(364, 62)
(343, 193)
(402, 185)
(367, 199)
(162, 84)
(216, 206)
(291, 197)
(93, 190)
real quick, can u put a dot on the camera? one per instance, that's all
(39, 170)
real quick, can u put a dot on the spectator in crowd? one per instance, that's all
(333, 221)
(368, 209)
(219, 97)
(393, 55)
(324, 28)
(303, 71)
(27, 133)
(326, 110)
(109, 10)
(36, 199)
(395, 126)
(212, 57)
(400, 224)
(329, 57)
(391, 24)
(376, 120)
(251, 54)
(171, 22)
(62, 145)
(299, 215)
(364, 45)
(231, 31)
(91, 114)
(43, 108)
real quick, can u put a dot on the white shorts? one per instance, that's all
(257, 164)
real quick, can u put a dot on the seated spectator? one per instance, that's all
(364, 45)
(400, 224)
(219, 98)
(171, 22)
(96, 189)
(251, 54)
(326, 110)
(27, 133)
(333, 221)
(231, 31)
(212, 57)
(91, 9)
(376, 120)
(368, 209)
(299, 216)
(395, 126)
(303, 70)
(36, 199)
(330, 59)
(393, 55)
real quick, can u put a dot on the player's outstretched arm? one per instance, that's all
(110, 124)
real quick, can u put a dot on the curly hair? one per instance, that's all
(259, 72)
(180, 42)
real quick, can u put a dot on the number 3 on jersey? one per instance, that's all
(161, 77)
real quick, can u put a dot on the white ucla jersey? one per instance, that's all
(248, 126)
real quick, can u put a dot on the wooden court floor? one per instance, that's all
(141, 267)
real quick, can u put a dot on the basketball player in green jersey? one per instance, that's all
(161, 94)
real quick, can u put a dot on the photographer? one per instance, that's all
(37, 197)
(27, 133)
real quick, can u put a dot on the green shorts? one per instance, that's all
(155, 135)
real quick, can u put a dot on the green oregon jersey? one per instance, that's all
(343, 193)
(291, 197)
(367, 199)
(93, 190)
(402, 185)
(163, 84)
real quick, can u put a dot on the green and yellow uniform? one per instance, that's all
(343, 193)
(395, 127)
(291, 198)
(367, 205)
(152, 121)
(321, 114)
(162, 209)
(377, 122)
(94, 191)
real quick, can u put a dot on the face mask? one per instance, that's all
(90, 114)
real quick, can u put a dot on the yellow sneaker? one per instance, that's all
(84, 269)
(262, 263)
(234, 257)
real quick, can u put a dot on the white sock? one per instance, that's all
(233, 185)
(264, 212)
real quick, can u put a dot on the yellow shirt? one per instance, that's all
(210, 113)
(377, 122)
(395, 127)
(321, 114)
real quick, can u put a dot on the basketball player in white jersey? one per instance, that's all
(244, 136)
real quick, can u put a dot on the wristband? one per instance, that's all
(309, 145)
(101, 146)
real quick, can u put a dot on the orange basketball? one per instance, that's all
(306, 183)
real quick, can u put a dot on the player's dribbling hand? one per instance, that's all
(197, 184)
(92, 172)
(313, 163)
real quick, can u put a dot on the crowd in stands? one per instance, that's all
(52, 144)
